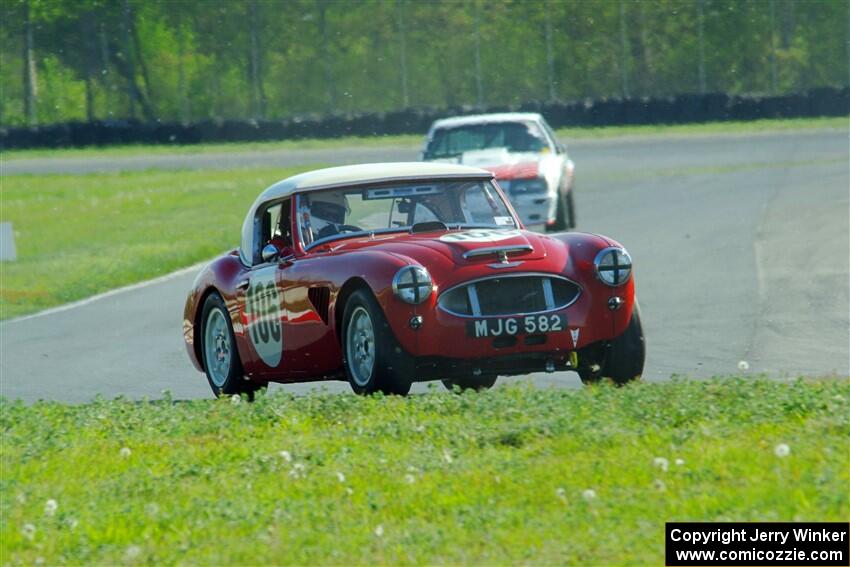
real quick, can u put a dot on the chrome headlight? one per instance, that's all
(412, 284)
(613, 266)
(526, 186)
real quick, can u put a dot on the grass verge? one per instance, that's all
(515, 475)
(566, 134)
(79, 235)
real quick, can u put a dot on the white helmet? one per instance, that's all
(328, 210)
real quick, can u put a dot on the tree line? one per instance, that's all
(190, 60)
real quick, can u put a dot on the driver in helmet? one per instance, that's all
(328, 210)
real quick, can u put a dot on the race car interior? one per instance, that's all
(333, 214)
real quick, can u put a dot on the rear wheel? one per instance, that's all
(374, 362)
(218, 346)
(477, 383)
(621, 360)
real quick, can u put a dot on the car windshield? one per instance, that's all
(429, 205)
(514, 136)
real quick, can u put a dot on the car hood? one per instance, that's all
(503, 163)
(461, 247)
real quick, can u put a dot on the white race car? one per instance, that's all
(530, 164)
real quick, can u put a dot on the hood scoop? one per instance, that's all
(500, 252)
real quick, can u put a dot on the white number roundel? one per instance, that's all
(480, 235)
(262, 307)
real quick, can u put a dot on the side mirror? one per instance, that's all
(270, 253)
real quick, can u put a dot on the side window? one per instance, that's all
(270, 226)
(553, 139)
(275, 228)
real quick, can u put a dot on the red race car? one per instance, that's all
(386, 274)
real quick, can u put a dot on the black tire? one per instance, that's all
(477, 383)
(561, 214)
(392, 369)
(621, 360)
(571, 210)
(234, 382)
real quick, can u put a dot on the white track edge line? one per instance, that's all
(104, 295)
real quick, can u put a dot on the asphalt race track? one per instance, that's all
(741, 246)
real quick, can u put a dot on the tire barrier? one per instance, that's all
(679, 109)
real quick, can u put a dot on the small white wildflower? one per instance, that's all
(235, 399)
(133, 552)
(409, 478)
(349, 490)
(782, 450)
(379, 531)
(589, 494)
(125, 452)
(411, 469)
(39, 560)
(447, 456)
(561, 494)
(340, 476)
(420, 428)
(661, 463)
(28, 531)
(21, 498)
(680, 462)
(72, 523)
(286, 456)
(659, 485)
(50, 507)
(743, 365)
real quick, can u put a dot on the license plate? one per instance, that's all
(509, 326)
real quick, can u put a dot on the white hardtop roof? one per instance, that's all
(482, 118)
(368, 173)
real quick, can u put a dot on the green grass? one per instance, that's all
(78, 235)
(566, 134)
(492, 478)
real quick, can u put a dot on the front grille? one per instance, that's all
(510, 295)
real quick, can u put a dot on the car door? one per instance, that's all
(263, 314)
(262, 310)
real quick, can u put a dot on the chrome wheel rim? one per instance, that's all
(217, 347)
(360, 346)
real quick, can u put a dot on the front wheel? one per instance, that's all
(621, 360)
(561, 214)
(477, 383)
(571, 210)
(221, 360)
(373, 360)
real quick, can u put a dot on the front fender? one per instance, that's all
(218, 276)
(583, 248)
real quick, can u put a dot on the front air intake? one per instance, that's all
(514, 294)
